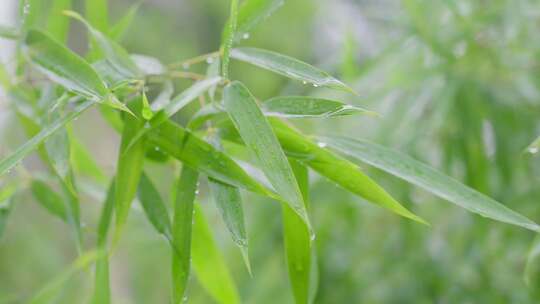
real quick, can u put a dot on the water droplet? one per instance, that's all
(197, 191)
(209, 60)
(533, 150)
(312, 236)
(185, 65)
(184, 299)
(315, 85)
(245, 36)
(322, 144)
(304, 82)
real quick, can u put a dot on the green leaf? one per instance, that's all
(97, 13)
(117, 56)
(49, 199)
(58, 150)
(9, 32)
(209, 265)
(227, 39)
(102, 289)
(154, 207)
(12, 160)
(57, 25)
(63, 66)
(534, 147)
(336, 168)
(200, 155)
(261, 140)
(129, 167)
(253, 12)
(289, 67)
(229, 203)
(50, 292)
(428, 178)
(306, 107)
(119, 29)
(181, 231)
(297, 242)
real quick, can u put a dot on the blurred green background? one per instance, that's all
(458, 86)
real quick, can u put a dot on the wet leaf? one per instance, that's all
(428, 178)
(289, 67)
(309, 107)
(182, 230)
(261, 140)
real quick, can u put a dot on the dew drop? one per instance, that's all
(197, 191)
(304, 82)
(184, 299)
(322, 144)
(185, 66)
(315, 85)
(245, 36)
(209, 60)
(533, 150)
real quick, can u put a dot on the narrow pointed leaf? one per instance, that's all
(49, 199)
(83, 163)
(289, 67)
(261, 140)
(154, 207)
(182, 230)
(208, 263)
(309, 107)
(63, 66)
(297, 242)
(428, 178)
(228, 37)
(229, 203)
(200, 155)
(9, 162)
(129, 168)
(113, 52)
(336, 168)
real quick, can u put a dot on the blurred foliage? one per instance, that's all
(457, 84)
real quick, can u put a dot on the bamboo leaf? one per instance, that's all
(63, 66)
(229, 203)
(181, 231)
(336, 168)
(209, 265)
(83, 163)
(117, 56)
(297, 242)
(49, 199)
(253, 12)
(307, 107)
(227, 39)
(289, 67)
(200, 155)
(428, 178)
(12, 160)
(129, 168)
(154, 207)
(102, 289)
(58, 26)
(261, 140)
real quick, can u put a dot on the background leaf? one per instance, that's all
(300, 107)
